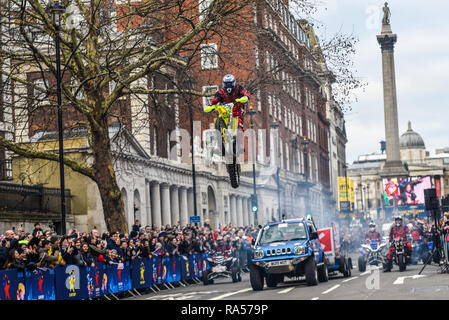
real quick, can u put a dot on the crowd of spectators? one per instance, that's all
(45, 248)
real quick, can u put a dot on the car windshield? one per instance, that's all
(283, 232)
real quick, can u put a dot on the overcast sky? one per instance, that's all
(422, 68)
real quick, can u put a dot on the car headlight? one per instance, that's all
(300, 250)
(258, 254)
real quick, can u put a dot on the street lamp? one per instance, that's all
(254, 206)
(348, 205)
(57, 10)
(305, 144)
(190, 83)
(275, 126)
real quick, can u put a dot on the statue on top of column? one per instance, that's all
(387, 14)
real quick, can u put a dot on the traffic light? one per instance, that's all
(254, 207)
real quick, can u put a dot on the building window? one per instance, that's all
(204, 6)
(209, 58)
(40, 97)
(270, 105)
(112, 19)
(211, 90)
(155, 140)
(75, 86)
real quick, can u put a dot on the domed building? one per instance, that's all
(366, 173)
(412, 146)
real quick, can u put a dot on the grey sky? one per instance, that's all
(422, 68)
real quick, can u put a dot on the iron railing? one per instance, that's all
(5, 170)
(17, 197)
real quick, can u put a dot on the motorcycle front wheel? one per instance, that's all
(401, 262)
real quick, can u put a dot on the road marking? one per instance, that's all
(331, 289)
(349, 279)
(316, 298)
(165, 296)
(287, 290)
(175, 296)
(230, 294)
(400, 280)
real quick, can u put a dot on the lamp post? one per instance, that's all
(254, 204)
(190, 83)
(368, 207)
(275, 126)
(57, 10)
(305, 144)
(348, 208)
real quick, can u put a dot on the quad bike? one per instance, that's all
(227, 125)
(371, 254)
(223, 265)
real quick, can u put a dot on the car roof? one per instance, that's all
(289, 221)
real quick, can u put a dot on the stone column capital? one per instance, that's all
(387, 41)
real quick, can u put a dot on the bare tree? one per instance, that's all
(108, 49)
(110, 52)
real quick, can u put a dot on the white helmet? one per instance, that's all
(229, 82)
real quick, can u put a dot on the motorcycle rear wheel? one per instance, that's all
(234, 168)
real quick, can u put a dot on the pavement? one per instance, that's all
(373, 284)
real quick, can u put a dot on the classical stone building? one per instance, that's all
(156, 183)
(366, 171)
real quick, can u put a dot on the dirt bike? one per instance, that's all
(398, 254)
(228, 124)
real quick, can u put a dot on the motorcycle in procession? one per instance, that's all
(223, 265)
(398, 254)
(371, 254)
(227, 125)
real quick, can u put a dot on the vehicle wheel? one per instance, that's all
(240, 276)
(345, 267)
(362, 264)
(348, 267)
(388, 265)
(256, 278)
(401, 262)
(323, 274)
(234, 168)
(205, 274)
(235, 275)
(311, 272)
(272, 280)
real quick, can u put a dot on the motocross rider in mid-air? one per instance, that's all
(231, 91)
(398, 230)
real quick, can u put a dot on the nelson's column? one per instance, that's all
(393, 166)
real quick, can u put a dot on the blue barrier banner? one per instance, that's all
(165, 266)
(40, 284)
(206, 265)
(187, 267)
(71, 282)
(196, 265)
(119, 277)
(174, 269)
(191, 266)
(141, 272)
(10, 289)
(97, 280)
(21, 291)
(160, 267)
